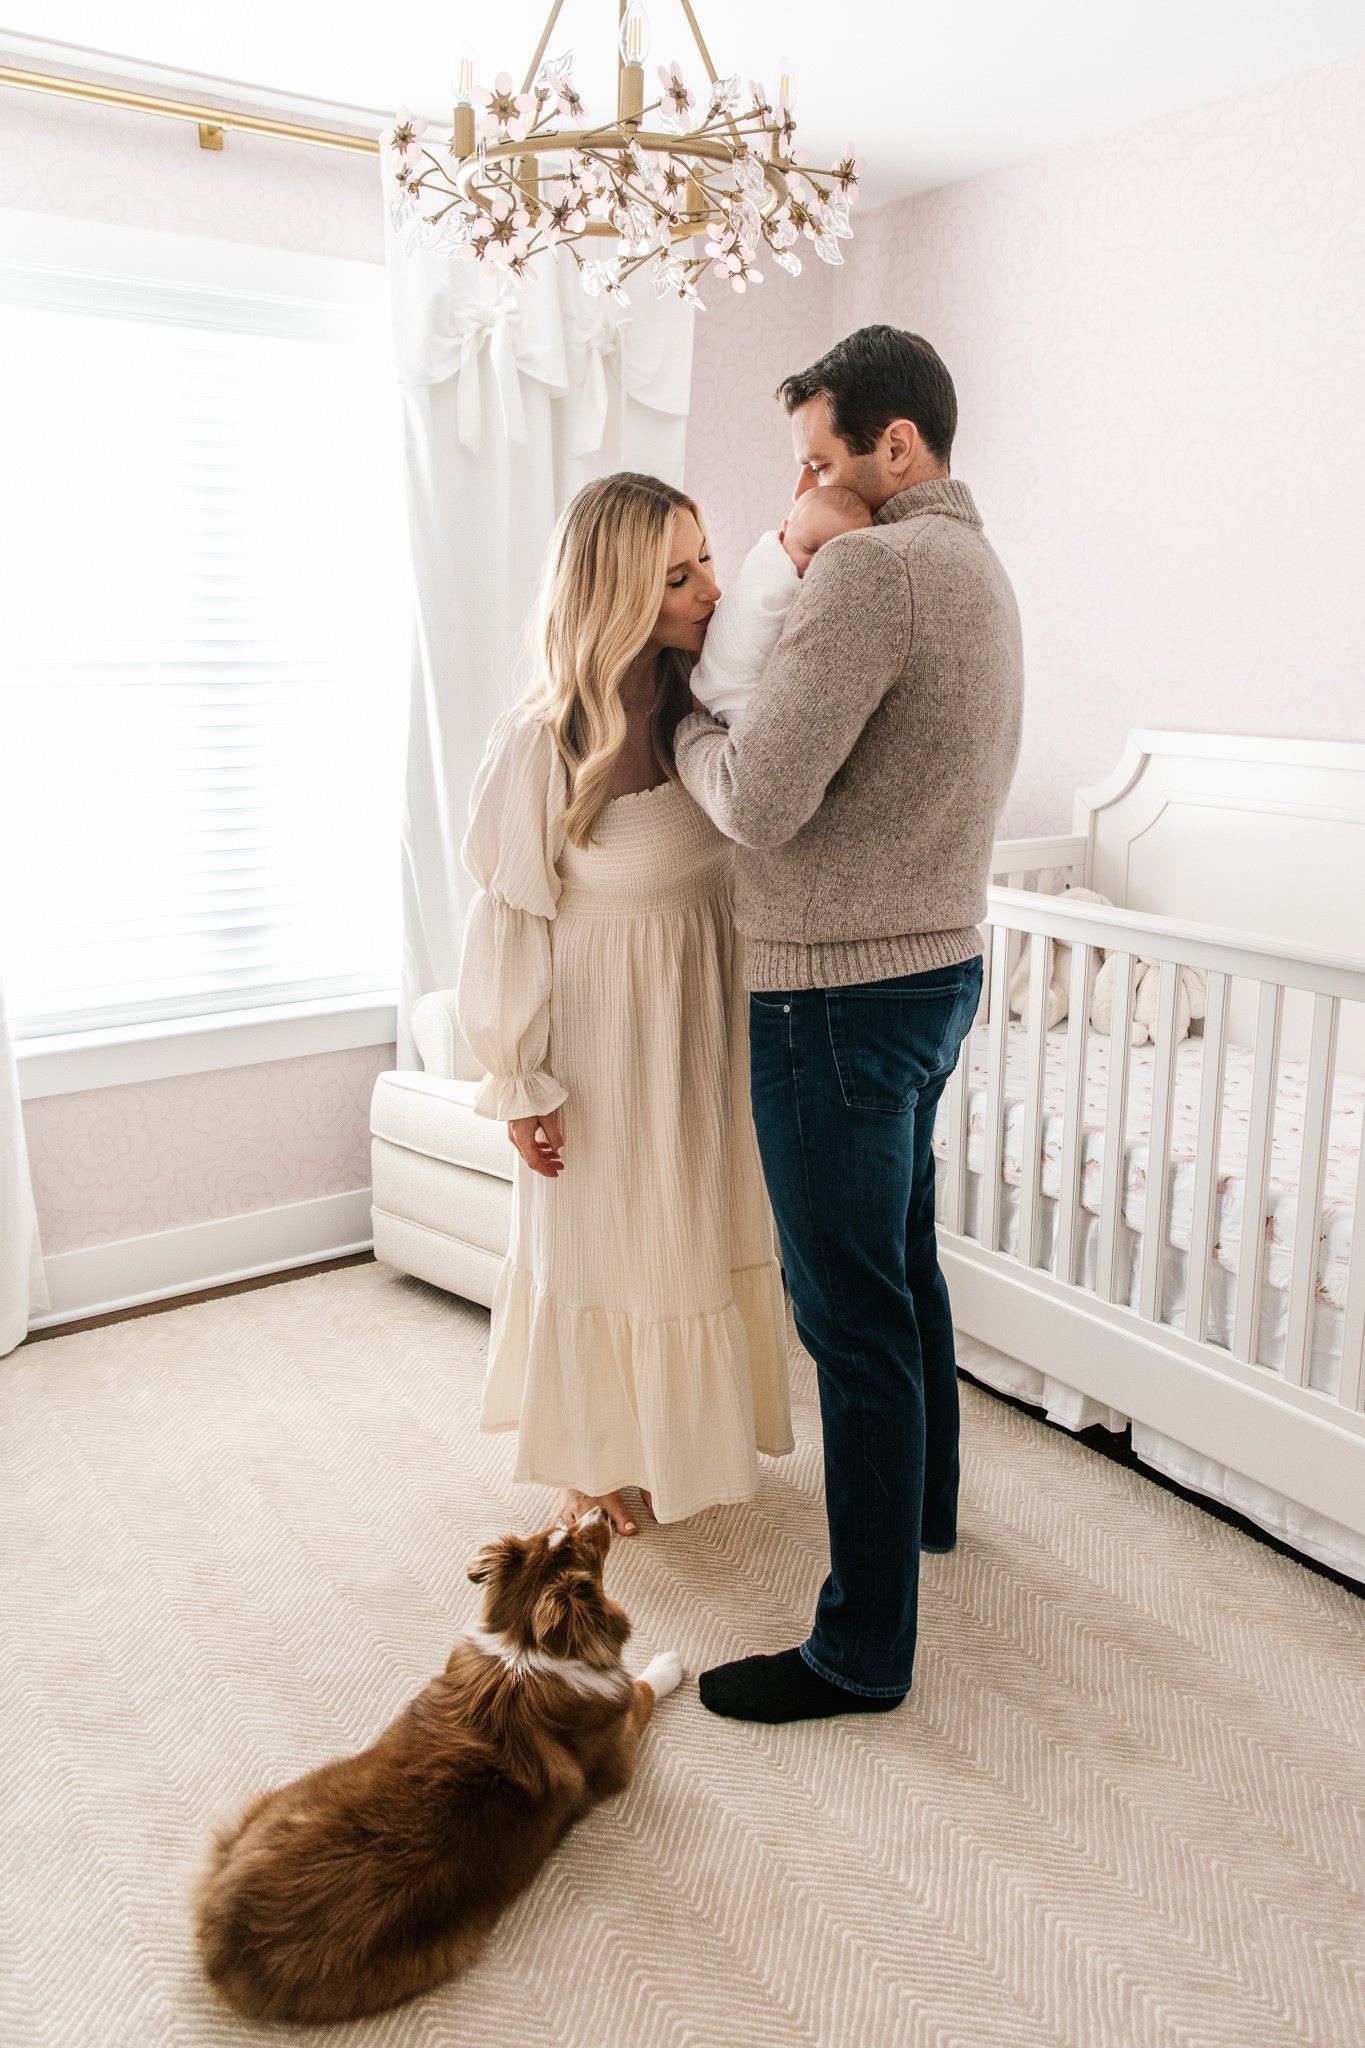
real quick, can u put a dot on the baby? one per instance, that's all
(748, 621)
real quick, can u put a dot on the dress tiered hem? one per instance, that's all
(602, 1398)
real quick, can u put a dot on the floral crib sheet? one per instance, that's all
(1343, 1151)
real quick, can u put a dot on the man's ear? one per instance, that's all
(902, 441)
(507, 1551)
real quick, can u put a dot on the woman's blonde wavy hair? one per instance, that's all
(599, 600)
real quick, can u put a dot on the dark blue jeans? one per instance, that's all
(845, 1085)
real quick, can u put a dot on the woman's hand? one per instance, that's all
(541, 1153)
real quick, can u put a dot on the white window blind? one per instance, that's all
(204, 635)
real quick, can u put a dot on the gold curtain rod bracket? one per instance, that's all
(210, 120)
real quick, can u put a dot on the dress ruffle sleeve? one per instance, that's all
(503, 995)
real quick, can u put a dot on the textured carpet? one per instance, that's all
(1123, 1804)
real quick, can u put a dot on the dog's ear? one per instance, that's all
(507, 1552)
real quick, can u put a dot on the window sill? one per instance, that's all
(64, 1064)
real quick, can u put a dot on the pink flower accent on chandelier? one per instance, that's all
(563, 215)
(677, 102)
(503, 233)
(404, 136)
(732, 261)
(846, 174)
(555, 76)
(504, 112)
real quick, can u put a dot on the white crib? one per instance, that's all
(1236, 1354)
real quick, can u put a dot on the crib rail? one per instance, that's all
(1045, 865)
(1090, 1199)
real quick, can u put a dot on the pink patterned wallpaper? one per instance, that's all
(1156, 342)
(113, 1163)
(110, 1163)
(739, 462)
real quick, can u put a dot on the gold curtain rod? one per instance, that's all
(212, 120)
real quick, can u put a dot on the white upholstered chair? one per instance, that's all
(442, 1176)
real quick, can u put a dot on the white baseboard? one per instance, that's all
(103, 1277)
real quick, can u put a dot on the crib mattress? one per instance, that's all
(1281, 1207)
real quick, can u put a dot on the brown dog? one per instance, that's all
(379, 1875)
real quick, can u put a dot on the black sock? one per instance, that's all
(781, 1688)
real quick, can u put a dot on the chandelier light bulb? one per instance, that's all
(786, 88)
(464, 76)
(635, 35)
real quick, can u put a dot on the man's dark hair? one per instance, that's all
(876, 375)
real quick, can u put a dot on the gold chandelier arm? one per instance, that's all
(545, 35)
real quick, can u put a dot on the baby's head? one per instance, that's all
(816, 517)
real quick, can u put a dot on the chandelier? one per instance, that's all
(525, 175)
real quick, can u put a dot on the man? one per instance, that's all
(862, 788)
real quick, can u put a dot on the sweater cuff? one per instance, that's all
(504, 1096)
(695, 727)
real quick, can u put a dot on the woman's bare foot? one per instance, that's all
(572, 1504)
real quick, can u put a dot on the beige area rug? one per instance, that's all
(1123, 1804)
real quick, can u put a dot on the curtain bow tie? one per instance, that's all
(593, 341)
(494, 322)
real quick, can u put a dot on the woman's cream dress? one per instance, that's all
(638, 1331)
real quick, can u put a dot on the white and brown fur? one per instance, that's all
(379, 1875)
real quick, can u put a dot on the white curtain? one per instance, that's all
(23, 1282)
(513, 397)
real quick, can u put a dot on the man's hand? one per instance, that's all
(540, 1153)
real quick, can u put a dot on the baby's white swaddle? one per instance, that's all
(745, 627)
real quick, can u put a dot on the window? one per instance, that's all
(204, 631)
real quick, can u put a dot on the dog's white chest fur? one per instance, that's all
(610, 1683)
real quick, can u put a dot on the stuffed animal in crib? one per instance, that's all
(1191, 999)
(1057, 962)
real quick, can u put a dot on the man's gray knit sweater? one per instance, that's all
(863, 783)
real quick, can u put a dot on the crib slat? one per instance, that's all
(1152, 1250)
(1073, 1112)
(1115, 1117)
(1317, 1123)
(996, 1047)
(1204, 1212)
(1251, 1260)
(1031, 1136)
(960, 1109)
(955, 1120)
(1018, 941)
(1351, 1392)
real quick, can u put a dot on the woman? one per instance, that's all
(638, 1329)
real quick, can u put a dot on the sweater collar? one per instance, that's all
(939, 494)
